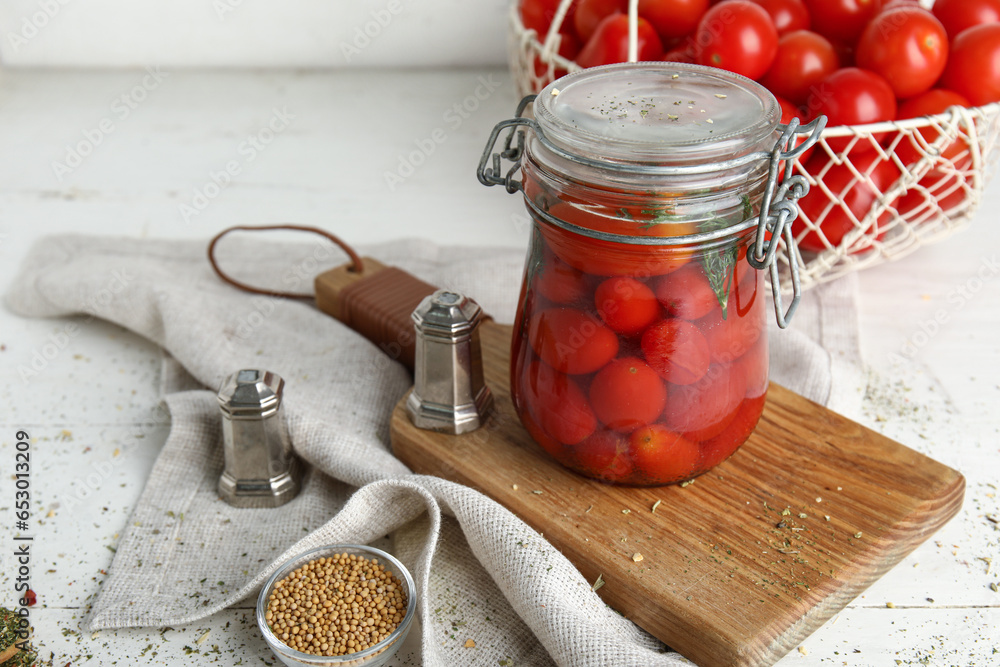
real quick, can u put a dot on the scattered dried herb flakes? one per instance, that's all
(10, 653)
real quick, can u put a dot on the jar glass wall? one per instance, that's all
(639, 371)
(639, 353)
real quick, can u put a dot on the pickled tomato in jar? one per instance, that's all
(639, 354)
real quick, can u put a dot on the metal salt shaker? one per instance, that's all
(449, 393)
(261, 469)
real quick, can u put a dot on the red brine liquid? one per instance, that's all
(643, 366)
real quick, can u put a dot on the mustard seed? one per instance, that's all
(336, 605)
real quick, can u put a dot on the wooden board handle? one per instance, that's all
(376, 302)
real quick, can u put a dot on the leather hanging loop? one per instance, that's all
(356, 264)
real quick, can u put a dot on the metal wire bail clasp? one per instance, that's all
(779, 210)
(492, 175)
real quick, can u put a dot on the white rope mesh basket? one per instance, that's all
(949, 159)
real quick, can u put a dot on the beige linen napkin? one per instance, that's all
(185, 554)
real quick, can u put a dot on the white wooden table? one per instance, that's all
(91, 409)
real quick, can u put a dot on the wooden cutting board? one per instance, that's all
(738, 567)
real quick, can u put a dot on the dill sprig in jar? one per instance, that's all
(639, 353)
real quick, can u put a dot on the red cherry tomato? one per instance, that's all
(569, 47)
(554, 448)
(537, 15)
(738, 36)
(627, 394)
(851, 197)
(944, 185)
(571, 341)
(852, 96)
(907, 46)
(589, 14)
(686, 293)
(673, 18)
(662, 456)
(558, 404)
(787, 15)
(716, 450)
(746, 277)
(559, 282)
(684, 52)
(755, 368)
(604, 213)
(677, 351)
(732, 337)
(704, 409)
(841, 20)
(973, 69)
(626, 305)
(605, 455)
(804, 59)
(609, 43)
(942, 189)
(845, 52)
(959, 15)
(789, 112)
(606, 258)
(931, 103)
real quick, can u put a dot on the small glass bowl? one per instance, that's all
(371, 657)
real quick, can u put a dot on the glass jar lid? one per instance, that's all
(656, 113)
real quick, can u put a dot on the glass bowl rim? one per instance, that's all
(298, 561)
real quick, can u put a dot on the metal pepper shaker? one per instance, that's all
(449, 393)
(261, 469)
